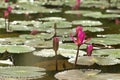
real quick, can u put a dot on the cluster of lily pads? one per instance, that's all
(45, 37)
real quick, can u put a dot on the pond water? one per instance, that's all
(29, 59)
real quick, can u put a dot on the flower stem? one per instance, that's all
(56, 64)
(77, 56)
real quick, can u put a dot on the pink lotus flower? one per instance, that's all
(79, 40)
(9, 8)
(6, 14)
(55, 43)
(77, 5)
(89, 49)
(34, 32)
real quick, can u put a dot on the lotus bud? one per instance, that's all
(34, 32)
(55, 43)
(9, 9)
(89, 49)
(6, 14)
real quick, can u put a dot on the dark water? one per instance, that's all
(49, 63)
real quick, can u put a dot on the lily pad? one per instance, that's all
(39, 43)
(105, 41)
(91, 29)
(99, 15)
(21, 72)
(16, 49)
(108, 52)
(113, 11)
(77, 74)
(64, 52)
(15, 40)
(52, 19)
(41, 36)
(90, 60)
(59, 24)
(77, 12)
(86, 23)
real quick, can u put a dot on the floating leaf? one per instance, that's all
(77, 74)
(45, 53)
(52, 19)
(19, 49)
(38, 43)
(105, 41)
(41, 36)
(87, 23)
(70, 53)
(21, 72)
(16, 48)
(59, 24)
(90, 60)
(109, 52)
(113, 11)
(77, 12)
(71, 46)
(83, 60)
(64, 52)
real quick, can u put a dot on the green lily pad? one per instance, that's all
(41, 36)
(90, 60)
(77, 74)
(99, 15)
(70, 53)
(86, 23)
(113, 11)
(55, 3)
(52, 19)
(109, 52)
(64, 52)
(16, 49)
(91, 29)
(59, 24)
(77, 12)
(15, 40)
(38, 43)
(105, 41)
(21, 72)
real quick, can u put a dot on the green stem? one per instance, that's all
(56, 64)
(77, 56)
